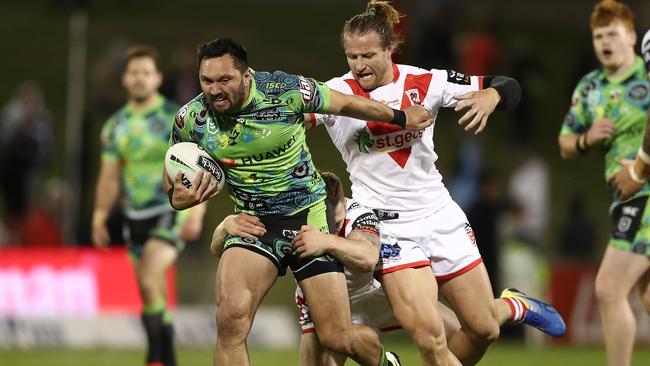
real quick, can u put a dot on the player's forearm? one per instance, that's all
(366, 109)
(107, 191)
(569, 146)
(357, 255)
(508, 88)
(216, 246)
(107, 194)
(197, 212)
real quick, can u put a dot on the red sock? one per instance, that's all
(517, 308)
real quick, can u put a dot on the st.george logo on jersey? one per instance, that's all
(414, 96)
(384, 137)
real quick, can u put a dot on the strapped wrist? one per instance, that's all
(635, 177)
(645, 157)
(579, 147)
(399, 118)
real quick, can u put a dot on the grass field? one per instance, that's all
(499, 355)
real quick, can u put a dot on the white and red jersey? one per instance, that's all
(392, 168)
(357, 217)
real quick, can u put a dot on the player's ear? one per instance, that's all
(247, 77)
(390, 49)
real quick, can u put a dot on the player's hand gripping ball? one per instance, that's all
(189, 158)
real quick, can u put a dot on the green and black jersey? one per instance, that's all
(262, 146)
(138, 141)
(625, 100)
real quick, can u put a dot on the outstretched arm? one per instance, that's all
(414, 117)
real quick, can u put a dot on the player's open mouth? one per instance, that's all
(220, 99)
(607, 53)
(364, 76)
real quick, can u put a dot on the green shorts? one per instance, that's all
(164, 226)
(631, 226)
(276, 243)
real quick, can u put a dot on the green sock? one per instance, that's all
(156, 307)
(383, 361)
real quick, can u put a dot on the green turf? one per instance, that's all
(499, 355)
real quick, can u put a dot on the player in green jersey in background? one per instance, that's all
(253, 123)
(609, 110)
(134, 142)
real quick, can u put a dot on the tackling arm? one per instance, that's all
(359, 252)
(241, 224)
(414, 117)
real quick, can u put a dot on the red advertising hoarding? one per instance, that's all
(47, 282)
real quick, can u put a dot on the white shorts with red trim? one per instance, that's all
(373, 311)
(444, 240)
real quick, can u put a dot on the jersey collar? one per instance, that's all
(251, 91)
(154, 106)
(638, 64)
(395, 73)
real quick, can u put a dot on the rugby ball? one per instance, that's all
(189, 158)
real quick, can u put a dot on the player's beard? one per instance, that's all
(140, 93)
(235, 100)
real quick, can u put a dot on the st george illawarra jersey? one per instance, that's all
(357, 217)
(392, 168)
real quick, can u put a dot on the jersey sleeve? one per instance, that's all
(314, 96)
(450, 83)
(361, 219)
(108, 140)
(184, 121)
(338, 85)
(577, 120)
